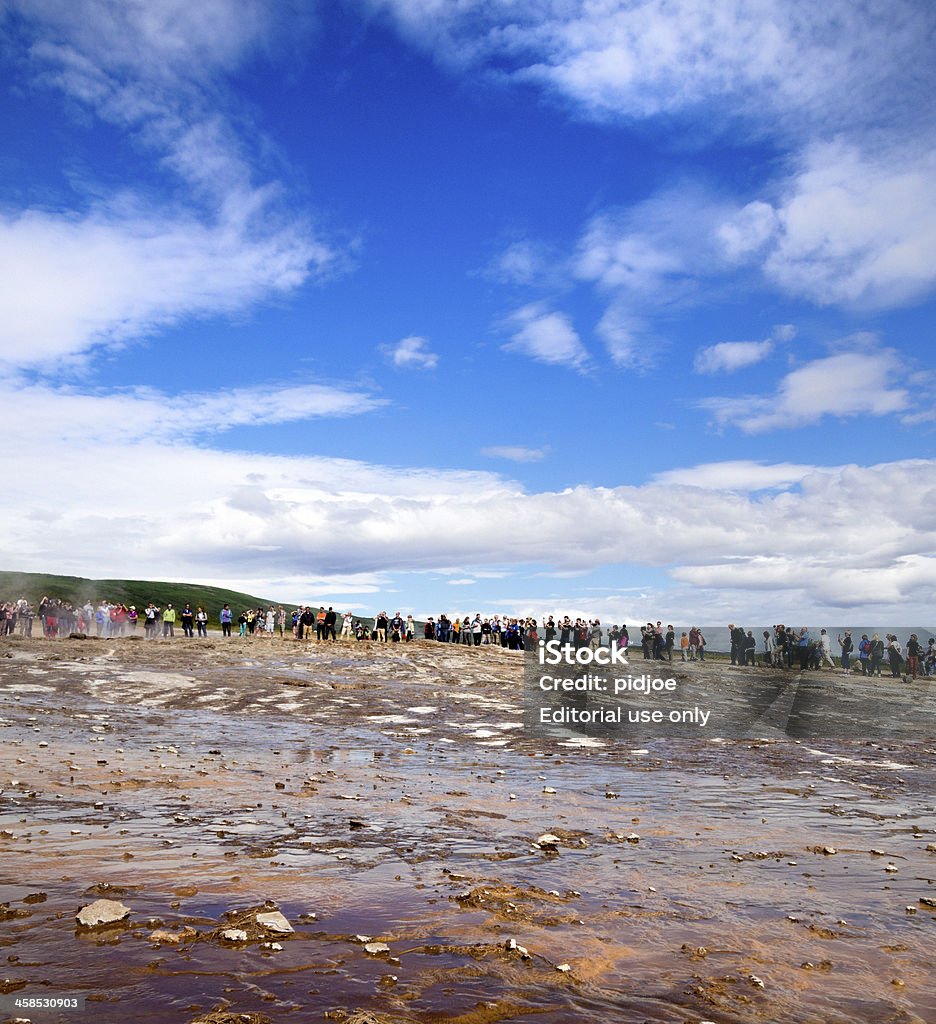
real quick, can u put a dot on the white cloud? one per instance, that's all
(412, 353)
(71, 283)
(737, 475)
(547, 337)
(849, 229)
(126, 490)
(789, 63)
(142, 413)
(843, 385)
(514, 453)
(749, 230)
(159, 509)
(649, 259)
(106, 273)
(728, 356)
(521, 262)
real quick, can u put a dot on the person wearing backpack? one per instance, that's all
(865, 647)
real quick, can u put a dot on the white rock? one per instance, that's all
(512, 796)
(755, 981)
(548, 789)
(565, 968)
(928, 901)
(828, 850)
(376, 948)
(102, 912)
(547, 841)
(890, 868)
(234, 935)
(275, 922)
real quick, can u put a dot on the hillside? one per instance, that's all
(35, 585)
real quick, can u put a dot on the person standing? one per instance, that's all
(877, 654)
(865, 647)
(825, 649)
(845, 642)
(914, 650)
(803, 644)
(201, 621)
(168, 621)
(769, 647)
(894, 655)
(187, 618)
(226, 617)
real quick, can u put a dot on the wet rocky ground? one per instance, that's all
(388, 802)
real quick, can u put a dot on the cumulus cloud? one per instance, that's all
(546, 336)
(856, 230)
(842, 385)
(412, 353)
(119, 498)
(848, 229)
(514, 453)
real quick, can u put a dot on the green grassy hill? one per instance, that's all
(35, 585)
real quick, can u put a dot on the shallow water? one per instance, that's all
(720, 910)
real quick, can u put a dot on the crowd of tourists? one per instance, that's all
(781, 647)
(786, 647)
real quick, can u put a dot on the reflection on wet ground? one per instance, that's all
(392, 796)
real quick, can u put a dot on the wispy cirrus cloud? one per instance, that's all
(109, 276)
(88, 272)
(799, 64)
(135, 414)
(515, 453)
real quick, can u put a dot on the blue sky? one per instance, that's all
(617, 308)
